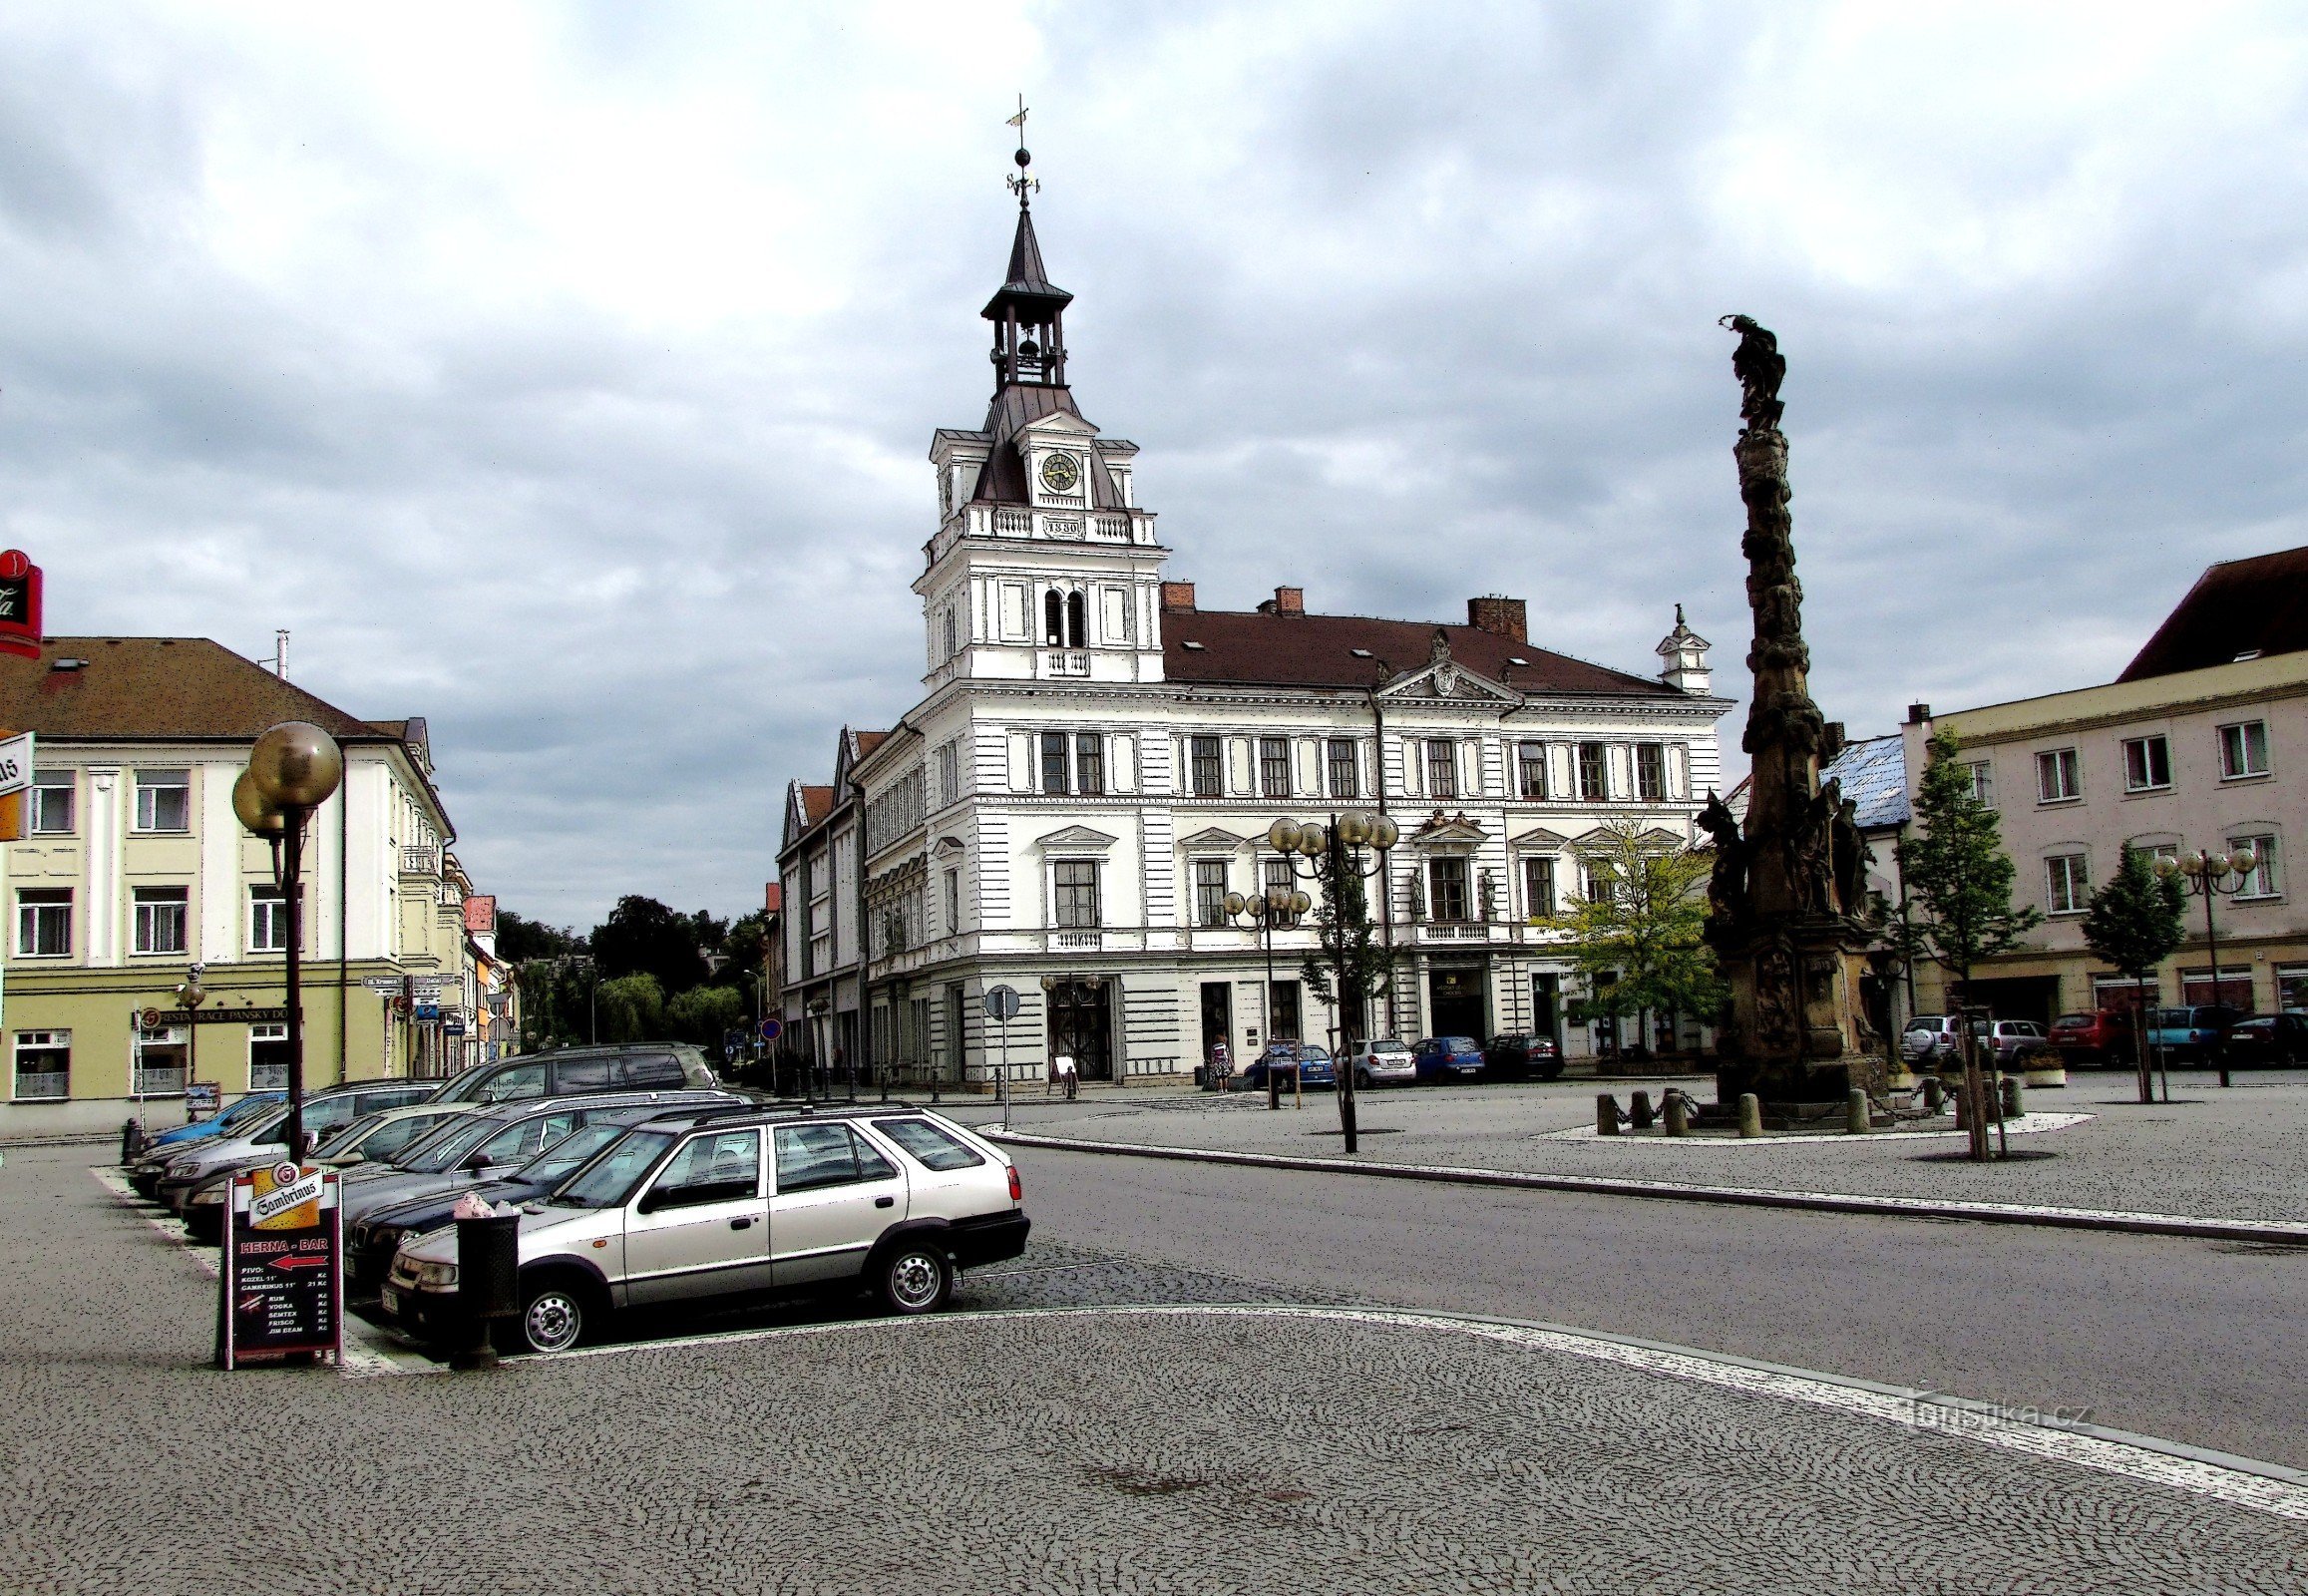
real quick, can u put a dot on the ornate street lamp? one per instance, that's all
(292, 771)
(1339, 848)
(2209, 876)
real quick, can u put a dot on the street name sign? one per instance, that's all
(282, 1287)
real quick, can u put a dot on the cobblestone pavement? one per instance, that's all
(1186, 1450)
(2236, 1154)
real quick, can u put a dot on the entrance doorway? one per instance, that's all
(1547, 1007)
(1081, 1026)
(1458, 1002)
(1283, 1024)
(1217, 1017)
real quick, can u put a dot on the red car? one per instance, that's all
(2102, 1038)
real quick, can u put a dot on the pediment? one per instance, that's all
(1448, 831)
(1600, 837)
(1213, 837)
(1058, 421)
(1659, 836)
(1540, 837)
(1447, 682)
(1078, 837)
(945, 846)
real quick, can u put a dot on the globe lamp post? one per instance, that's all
(294, 768)
(2210, 874)
(1334, 853)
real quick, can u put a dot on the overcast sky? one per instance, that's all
(564, 373)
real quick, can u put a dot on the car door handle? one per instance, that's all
(885, 1202)
(741, 1223)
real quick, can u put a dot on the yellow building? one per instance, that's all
(133, 870)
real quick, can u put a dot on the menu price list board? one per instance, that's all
(282, 1285)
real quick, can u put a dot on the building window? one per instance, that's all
(1053, 619)
(1983, 776)
(43, 1065)
(2262, 881)
(1593, 787)
(2068, 886)
(267, 1057)
(953, 902)
(160, 1060)
(1346, 780)
(2147, 764)
(1273, 767)
(2058, 777)
(51, 803)
(1075, 883)
(2244, 750)
(164, 800)
(1595, 884)
(1538, 888)
(952, 633)
(1208, 768)
(1210, 891)
(1091, 763)
(267, 920)
(1078, 621)
(1650, 771)
(1441, 768)
(949, 773)
(1446, 888)
(1531, 769)
(1054, 761)
(161, 919)
(44, 923)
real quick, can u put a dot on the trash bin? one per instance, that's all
(488, 1283)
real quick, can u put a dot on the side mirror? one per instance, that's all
(477, 1162)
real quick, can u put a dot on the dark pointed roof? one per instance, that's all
(1028, 284)
(1311, 651)
(2236, 609)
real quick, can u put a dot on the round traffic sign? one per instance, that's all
(771, 1029)
(1001, 1002)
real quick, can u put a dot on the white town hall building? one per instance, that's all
(1095, 762)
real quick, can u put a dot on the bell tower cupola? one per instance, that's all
(1028, 310)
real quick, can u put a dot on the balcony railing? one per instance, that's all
(1453, 931)
(1065, 662)
(419, 861)
(1083, 941)
(1012, 523)
(45, 1087)
(1116, 528)
(159, 1081)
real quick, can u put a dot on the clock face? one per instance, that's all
(1061, 474)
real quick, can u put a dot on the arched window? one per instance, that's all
(1078, 622)
(1053, 619)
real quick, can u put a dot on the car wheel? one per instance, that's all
(1361, 1081)
(554, 1316)
(913, 1278)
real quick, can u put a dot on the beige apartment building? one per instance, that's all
(2200, 743)
(134, 868)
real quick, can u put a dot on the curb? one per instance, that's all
(2283, 1232)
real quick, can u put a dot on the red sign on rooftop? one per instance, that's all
(19, 604)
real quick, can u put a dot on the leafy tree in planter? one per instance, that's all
(1959, 879)
(1636, 947)
(2138, 920)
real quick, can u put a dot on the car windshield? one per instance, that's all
(452, 1089)
(348, 1136)
(610, 1179)
(246, 1110)
(1315, 1053)
(572, 1150)
(1388, 1044)
(440, 1151)
(261, 1127)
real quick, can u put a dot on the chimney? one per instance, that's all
(1289, 601)
(1832, 740)
(1178, 596)
(1502, 618)
(1917, 714)
(280, 654)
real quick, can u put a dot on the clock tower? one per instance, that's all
(1044, 566)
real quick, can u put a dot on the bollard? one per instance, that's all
(1605, 1114)
(1751, 1114)
(1678, 1114)
(1934, 1094)
(131, 1140)
(1639, 1115)
(1858, 1118)
(488, 1284)
(1957, 1101)
(2014, 1104)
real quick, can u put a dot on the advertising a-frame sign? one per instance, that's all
(283, 1284)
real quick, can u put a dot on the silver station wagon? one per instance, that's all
(722, 1205)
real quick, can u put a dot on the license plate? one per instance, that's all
(391, 1299)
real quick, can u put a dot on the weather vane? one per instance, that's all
(1021, 183)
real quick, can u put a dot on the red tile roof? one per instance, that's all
(481, 914)
(868, 741)
(816, 803)
(2238, 607)
(1256, 648)
(170, 689)
(772, 896)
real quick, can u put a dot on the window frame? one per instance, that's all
(39, 1044)
(2067, 766)
(1594, 758)
(2140, 757)
(1539, 905)
(2267, 867)
(1983, 774)
(1343, 755)
(1206, 755)
(1530, 763)
(1273, 767)
(1448, 876)
(148, 784)
(1650, 772)
(1441, 766)
(46, 784)
(2069, 876)
(2232, 770)
(1067, 897)
(41, 903)
(147, 918)
(1059, 744)
(1091, 764)
(1209, 904)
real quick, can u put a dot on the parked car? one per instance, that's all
(384, 1135)
(2004, 1042)
(2268, 1039)
(1447, 1059)
(147, 1167)
(371, 1241)
(1523, 1057)
(1316, 1067)
(1385, 1062)
(261, 1139)
(681, 1212)
(637, 1066)
(1929, 1040)
(2193, 1032)
(2103, 1036)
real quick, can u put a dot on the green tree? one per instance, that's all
(1351, 957)
(1636, 945)
(2138, 920)
(1959, 879)
(632, 1008)
(706, 1014)
(644, 936)
(520, 939)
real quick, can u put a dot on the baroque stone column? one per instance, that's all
(1788, 916)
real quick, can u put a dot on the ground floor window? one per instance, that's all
(43, 1065)
(162, 1055)
(2116, 994)
(267, 1057)
(2292, 986)
(2233, 987)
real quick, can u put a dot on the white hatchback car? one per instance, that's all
(1385, 1061)
(715, 1206)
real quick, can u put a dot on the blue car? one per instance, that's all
(1447, 1059)
(1315, 1067)
(217, 1122)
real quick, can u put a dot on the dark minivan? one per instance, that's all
(634, 1067)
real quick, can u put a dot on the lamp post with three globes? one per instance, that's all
(292, 771)
(2210, 874)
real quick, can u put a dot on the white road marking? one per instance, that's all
(2024, 1125)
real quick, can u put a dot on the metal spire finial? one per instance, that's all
(1021, 183)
